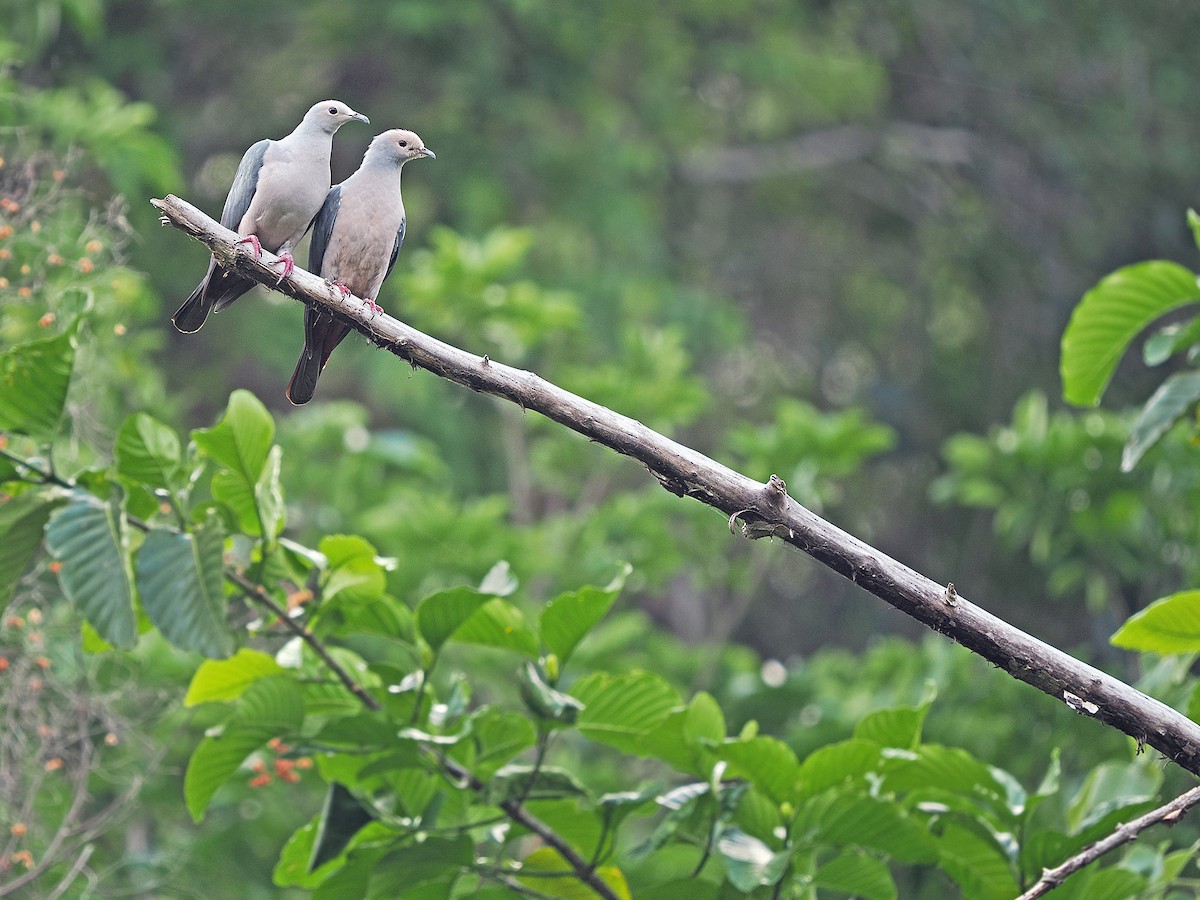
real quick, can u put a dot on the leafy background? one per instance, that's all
(835, 242)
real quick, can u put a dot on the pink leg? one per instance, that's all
(289, 265)
(376, 309)
(346, 292)
(252, 240)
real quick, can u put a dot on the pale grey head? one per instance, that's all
(396, 147)
(330, 115)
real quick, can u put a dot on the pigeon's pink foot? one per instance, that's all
(289, 266)
(252, 240)
(346, 292)
(376, 309)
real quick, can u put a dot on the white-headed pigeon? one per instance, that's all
(278, 188)
(356, 238)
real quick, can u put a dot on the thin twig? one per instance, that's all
(1168, 814)
(256, 594)
(761, 510)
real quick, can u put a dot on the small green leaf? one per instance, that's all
(544, 701)
(517, 782)
(749, 863)
(1169, 625)
(618, 710)
(847, 819)
(1172, 399)
(268, 494)
(1111, 787)
(222, 680)
(440, 615)
(22, 522)
(499, 736)
(341, 818)
(148, 452)
(835, 764)
(978, 866)
(897, 727)
(354, 570)
(89, 539)
(859, 875)
(271, 707)
(499, 624)
(703, 720)
(546, 859)
(1111, 315)
(1169, 340)
(569, 617)
(181, 581)
(34, 379)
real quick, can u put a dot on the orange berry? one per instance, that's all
(55, 260)
(59, 174)
(258, 766)
(35, 684)
(119, 330)
(19, 829)
(6, 231)
(289, 776)
(35, 616)
(298, 598)
(24, 292)
(56, 567)
(53, 765)
(24, 857)
(86, 265)
(111, 739)
(4, 663)
(35, 226)
(260, 780)
(45, 321)
(5, 254)
(42, 662)
(14, 622)
(304, 763)
(3, 281)
(93, 246)
(283, 766)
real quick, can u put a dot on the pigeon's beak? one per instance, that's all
(425, 151)
(361, 118)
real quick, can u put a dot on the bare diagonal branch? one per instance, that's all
(760, 509)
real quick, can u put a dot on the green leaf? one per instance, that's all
(1169, 625)
(435, 861)
(859, 875)
(567, 618)
(546, 859)
(1169, 340)
(846, 819)
(242, 438)
(341, 818)
(544, 701)
(681, 889)
(499, 736)
(1173, 397)
(180, 578)
(1111, 787)
(749, 863)
(499, 624)
(977, 865)
(22, 521)
(517, 782)
(1111, 315)
(34, 379)
(1109, 883)
(704, 720)
(354, 571)
(898, 727)
(268, 494)
(766, 762)
(271, 707)
(88, 538)
(1193, 221)
(148, 452)
(440, 615)
(222, 680)
(835, 764)
(618, 710)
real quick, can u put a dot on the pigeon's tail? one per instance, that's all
(304, 380)
(191, 315)
(322, 333)
(226, 287)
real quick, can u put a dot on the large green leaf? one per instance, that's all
(268, 494)
(441, 614)
(499, 736)
(222, 680)
(354, 570)
(858, 875)
(148, 452)
(835, 764)
(978, 866)
(896, 727)
(1169, 625)
(749, 863)
(619, 709)
(180, 578)
(269, 708)
(88, 538)
(242, 438)
(22, 521)
(34, 379)
(1111, 315)
(568, 617)
(1173, 397)
(766, 762)
(857, 820)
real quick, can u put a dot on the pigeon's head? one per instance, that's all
(331, 115)
(396, 147)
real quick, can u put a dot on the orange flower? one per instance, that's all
(35, 616)
(14, 622)
(53, 765)
(19, 829)
(24, 857)
(56, 567)
(111, 739)
(304, 763)
(42, 662)
(6, 231)
(260, 780)
(55, 260)
(4, 663)
(24, 292)
(86, 265)
(93, 246)
(45, 321)
(289, 776)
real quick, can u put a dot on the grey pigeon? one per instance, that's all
(278, 188)
(356, 238)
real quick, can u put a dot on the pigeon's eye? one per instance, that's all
(333, 110)
(404, 143)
